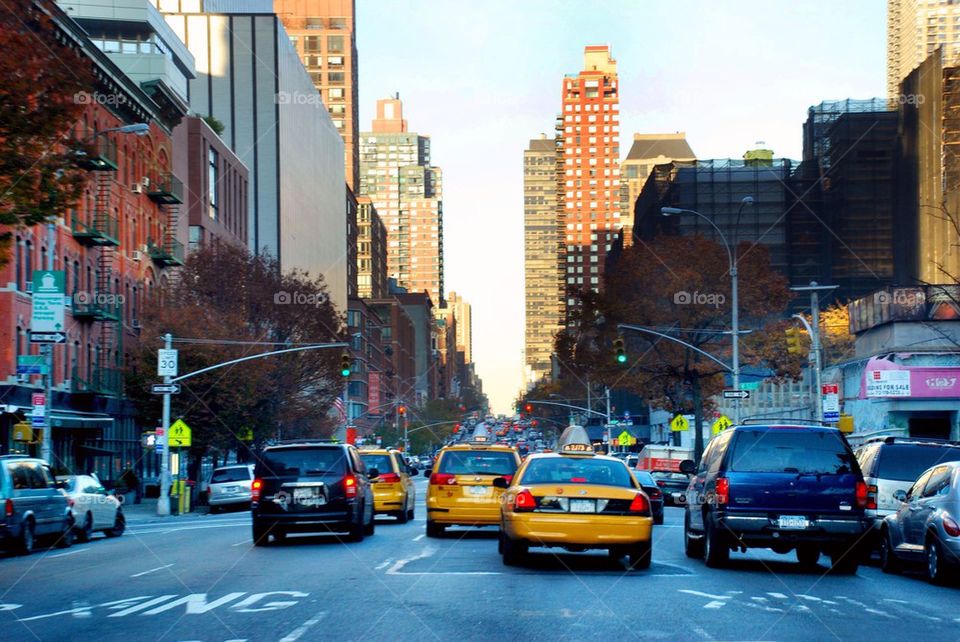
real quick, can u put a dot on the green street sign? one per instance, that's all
(48, 292)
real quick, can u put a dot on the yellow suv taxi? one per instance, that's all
(461, 490)
(577, 500)
(393, 491)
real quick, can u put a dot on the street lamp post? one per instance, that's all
(734, 290)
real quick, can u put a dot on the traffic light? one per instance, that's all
(528, 408)
(345, 361)
(794, 340)
(402, 410)
(620, 350)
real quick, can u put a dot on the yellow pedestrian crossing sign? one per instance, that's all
(180, 435)
(722, 423)
(679, 424)
(626, 439)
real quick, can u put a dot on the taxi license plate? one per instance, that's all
(308, 497)
(583, 506)
(477, 490)
(792, 522)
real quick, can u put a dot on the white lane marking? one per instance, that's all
(769, 609)
(391, 572)
(700, 594)
(166, 530)
(303, 628)
(716, 604)
(152, 570)
(854, 602)
(890, 599)
(79, 550)
(779, 596)
(425, 553)
(419, 537)
(878, 612)
(246, 541)
(810, 598)
(759, 599)
(383, 565)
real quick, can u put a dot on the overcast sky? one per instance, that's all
(482, 77)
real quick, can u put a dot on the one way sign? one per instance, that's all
(48, 337)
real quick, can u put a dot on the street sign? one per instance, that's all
(166, 363)
(180, 435)
(736, 394)
(679, 424)
(47, 337)
(830, 401)
(722, 423)
(38, 422)
(38, 399)
(165, 388)
(48, 305)
(626, 439)
(28, 364)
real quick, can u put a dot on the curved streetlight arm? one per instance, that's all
(637, 328)
(805, 323)
(257, 356)
(667, 211)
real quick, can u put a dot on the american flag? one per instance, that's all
(341, 410)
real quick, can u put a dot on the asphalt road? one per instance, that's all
(200, 578)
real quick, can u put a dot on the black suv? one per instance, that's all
(783, 487)
(311, 487)
(33, 503)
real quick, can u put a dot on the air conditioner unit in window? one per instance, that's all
(136, 188)
(28, 286)
(136, 255)
(143, 248)
(145, 181)
(135, 324)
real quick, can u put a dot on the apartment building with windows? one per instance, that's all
(915, 29)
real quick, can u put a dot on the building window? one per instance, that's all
(335, 44)
(196, 238)
(336, 77)
(311, 44)
(335, 61)
(338, 23)
(335, 93)
(213, 171)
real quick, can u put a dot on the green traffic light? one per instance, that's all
(345, 372)
(622, 358)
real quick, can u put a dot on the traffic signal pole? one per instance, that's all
(814, 329)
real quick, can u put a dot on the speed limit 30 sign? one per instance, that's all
(166, 363)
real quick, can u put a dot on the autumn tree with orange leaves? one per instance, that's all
(679, 286)
(40, 172)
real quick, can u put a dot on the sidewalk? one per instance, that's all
(146, 512)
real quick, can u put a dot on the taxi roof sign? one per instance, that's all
(575, 439)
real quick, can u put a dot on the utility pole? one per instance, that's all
(46, 446)
(163, 504)
(815, 347)
(609, 436)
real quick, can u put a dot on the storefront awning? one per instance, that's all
(60, 418)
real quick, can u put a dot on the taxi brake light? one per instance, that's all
(389, 478)
(9, 508)
(578, 480)
(951, 527)
(524, 501)
(255, 489)
(443, 479)
(640, 504)
(861, 495)
(350, 486)
(723, 490)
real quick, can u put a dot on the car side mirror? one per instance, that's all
(688, 467)
(373, 473)
(62, 485)
(413, 471)
(500, 482)
(900, 495)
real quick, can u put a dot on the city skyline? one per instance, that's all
(513, 81)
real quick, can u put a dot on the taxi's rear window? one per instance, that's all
(571, 470)
(222, 475)
(478, 462)
(381, 462)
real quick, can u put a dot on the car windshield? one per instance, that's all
(303, 461)
(666, 475)
(905, 462)
(69, 482)
(791, 451)
(644, 478)
(478, 462)
(234, 474)
(380, 462)
(571, 470)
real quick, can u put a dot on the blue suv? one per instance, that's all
(783, 487)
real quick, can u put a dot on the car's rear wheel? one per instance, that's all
(85, 532)
(357, 529)
(845, 561)
(692, 547)
(434, 529)
(371, 527)
(888, 558)
(261, 534)
(403, 515)
(936, 563)
(65, 538)
(658, 519)
(716, 553)
(410, 513)
(27, 541)
(119, 525)
(808, 556)
(641, 555)
(514, 552)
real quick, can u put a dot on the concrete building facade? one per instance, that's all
(371, 251)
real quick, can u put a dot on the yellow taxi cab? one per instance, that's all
(393, 490)
(577, 500)
(461, 490)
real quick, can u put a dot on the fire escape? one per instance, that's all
(99, 229)
(167, 192)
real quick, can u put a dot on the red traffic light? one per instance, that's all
(402, 410)
(528, 408)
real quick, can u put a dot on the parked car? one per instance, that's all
(673, 484)
(311, 487)
(230, 486)
(926, 526)
(892, 464)
(783, 487)
(34, 505)
(94, 508)
(649, 486)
